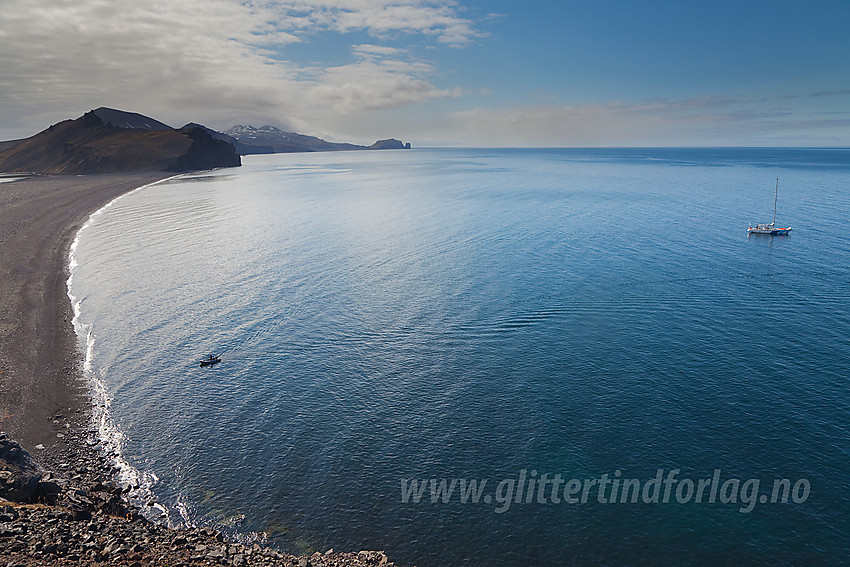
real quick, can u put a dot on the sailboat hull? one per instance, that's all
(767, 230)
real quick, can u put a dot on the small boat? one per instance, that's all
(210, 360)
(770, 228)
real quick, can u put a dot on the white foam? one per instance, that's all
(110, 436)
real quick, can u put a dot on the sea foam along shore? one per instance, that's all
(69, 514)
(43, 398)
(111, 439)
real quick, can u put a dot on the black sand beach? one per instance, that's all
(39, 361)
(40, 376)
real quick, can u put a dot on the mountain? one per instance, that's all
(9, 144)
(389, 144)
(241, 149)
(282, 142)
(106, 140)
(112, 118)
(254, 140)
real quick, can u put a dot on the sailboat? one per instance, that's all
(770, 228)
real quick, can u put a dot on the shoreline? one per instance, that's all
(102, 441)
(73, 512)
(45, 400)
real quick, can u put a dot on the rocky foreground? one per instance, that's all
(82, 518)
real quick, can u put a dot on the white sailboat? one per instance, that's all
(770, 228)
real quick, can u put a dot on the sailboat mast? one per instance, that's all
(775, 197)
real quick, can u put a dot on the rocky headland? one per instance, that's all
(93, 143)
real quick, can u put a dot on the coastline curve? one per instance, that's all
(111, 439)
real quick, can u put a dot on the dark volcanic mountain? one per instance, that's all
(110, 141)
(112, 118)
(268, 139)
(241, 149)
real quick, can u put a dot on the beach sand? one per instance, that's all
(44, 400)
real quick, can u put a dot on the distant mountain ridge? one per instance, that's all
(268, 139)
(106, 140)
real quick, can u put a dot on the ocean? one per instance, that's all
(484, 356)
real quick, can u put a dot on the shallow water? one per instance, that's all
(472, 314)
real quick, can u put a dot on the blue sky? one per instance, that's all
(438, 72)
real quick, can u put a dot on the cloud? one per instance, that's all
(830, 93)
(374, 83)
(215, 61)
(220, 62)
(798, 96)
(367, 50)
(708, 120)
(71, 54)
(581, 125)
(439, 19)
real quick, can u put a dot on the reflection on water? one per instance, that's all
(471, 314)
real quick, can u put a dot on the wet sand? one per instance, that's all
(43, 398)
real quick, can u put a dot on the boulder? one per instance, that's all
(48, 491)
(19, 473)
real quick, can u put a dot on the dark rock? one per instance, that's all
(19, 473)
(114, 506)
(81, 515)
(206, 152)
(49, 548)
(389, 144)
(8, 514)
(12, 530)
(48, 492)
(82, 528)
(110, 486)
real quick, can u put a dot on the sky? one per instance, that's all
(568, 73)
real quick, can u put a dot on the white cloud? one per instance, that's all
(368, 50)
(374, 83)
(224, 61)
(212, 61)
(436, 18)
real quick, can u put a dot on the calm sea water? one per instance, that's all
(481, 314)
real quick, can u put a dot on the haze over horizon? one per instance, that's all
(441, 72)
